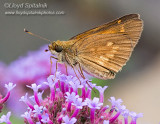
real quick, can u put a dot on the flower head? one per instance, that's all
(67, 106)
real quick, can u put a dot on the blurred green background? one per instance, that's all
(138, 84)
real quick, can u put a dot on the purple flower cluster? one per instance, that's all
(34, 67)
(69, 102)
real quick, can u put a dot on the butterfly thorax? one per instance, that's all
(62, 49)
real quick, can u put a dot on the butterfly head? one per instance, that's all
(55, 48)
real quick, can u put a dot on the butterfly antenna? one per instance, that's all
(36, 35)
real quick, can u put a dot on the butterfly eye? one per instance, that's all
(58, 49)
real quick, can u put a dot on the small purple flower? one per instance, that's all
(27, 116)
(38, 122)
(32, 98)
(38, 109)
(115, 102)
(10, 86)
(78, 103)
(5, 118)
(34, 87)
(105, 122)
(75, 84)
(25, 100)
(125, 114)
(134, 117)
(67, 120)
(40, 96)
(101, 91)
(45, 118)
(89, 85)
(51, 81)
(70, 97)
(121, 108)
(65, 78)
(93, 103)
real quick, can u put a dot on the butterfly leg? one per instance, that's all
(56, 70)
(66, 69)
(76, 74)
(81, 73)
(69, 62)
(52, 62)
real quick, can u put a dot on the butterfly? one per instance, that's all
(101, 51)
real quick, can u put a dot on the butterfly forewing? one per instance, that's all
(111, 54)
(104, 50)
(106, 26)
(129, 25)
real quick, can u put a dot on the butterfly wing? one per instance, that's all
(116, 26)
(104, 50)
(104, 57)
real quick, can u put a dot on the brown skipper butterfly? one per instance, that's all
(101, 51)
